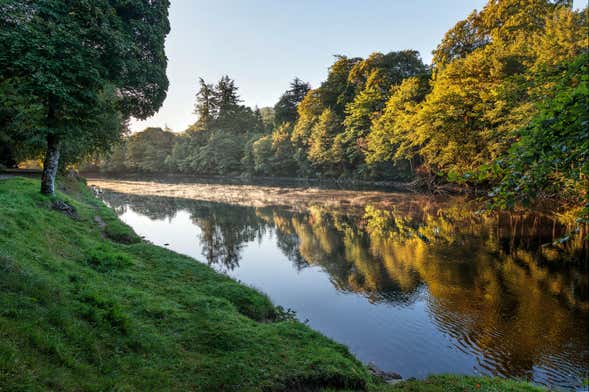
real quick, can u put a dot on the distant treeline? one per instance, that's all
(504, 103)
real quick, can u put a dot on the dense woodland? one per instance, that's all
(503, 105)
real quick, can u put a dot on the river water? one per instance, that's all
(415, 284)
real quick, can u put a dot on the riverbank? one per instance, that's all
(87, 305)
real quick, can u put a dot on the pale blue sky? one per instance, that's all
(264, 44)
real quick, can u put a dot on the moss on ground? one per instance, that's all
(86, 305)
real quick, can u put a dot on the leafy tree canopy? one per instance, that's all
(81, 69)
(285, 109)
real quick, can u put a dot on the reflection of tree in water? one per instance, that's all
(492, 286)
(289, 244)
(378, 253)
(505, 313)
(225, 230)
(339, 246)
(504, 297)
(155, 208)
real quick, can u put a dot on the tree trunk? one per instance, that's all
(50, 165)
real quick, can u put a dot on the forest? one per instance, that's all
(405, 224)
(503, 106)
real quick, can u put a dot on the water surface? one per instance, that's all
(417, 285)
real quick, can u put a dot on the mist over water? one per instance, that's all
(417, 285)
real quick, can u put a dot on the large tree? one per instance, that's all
(205, 107)
(285, 109)
(85, 67)
(392, 136)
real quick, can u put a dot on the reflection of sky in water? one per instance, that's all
(415, 338)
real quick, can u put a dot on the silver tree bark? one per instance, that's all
(50, 165)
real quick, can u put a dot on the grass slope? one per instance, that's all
(86, 305)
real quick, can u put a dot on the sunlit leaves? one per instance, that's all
(552, 153)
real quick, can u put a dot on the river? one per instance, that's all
(413, 283)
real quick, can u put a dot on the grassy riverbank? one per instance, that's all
(86, 305)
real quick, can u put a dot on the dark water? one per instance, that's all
(418, 288)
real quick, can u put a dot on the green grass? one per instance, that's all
(86, 305)
(456, 383)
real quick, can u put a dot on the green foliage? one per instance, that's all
(221, 154)
(359, 114)
(271, 155)
(283, 151)
(494, 75)
(392, 134)
(455, 130)
(285, 110)
(206, 105)
(551, 154)
(146, 151)
(376, 77)
(336, 92)
(262, 154)
(324, 150)
(215, 143)
(268, 117)
(309, 111)
(16, 116)
(461, 40)
(77, 70)
(7, 151)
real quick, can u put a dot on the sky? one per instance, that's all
(264, 44)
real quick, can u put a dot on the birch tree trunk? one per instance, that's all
(50, 165)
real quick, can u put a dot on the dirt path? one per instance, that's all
(11, 173)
